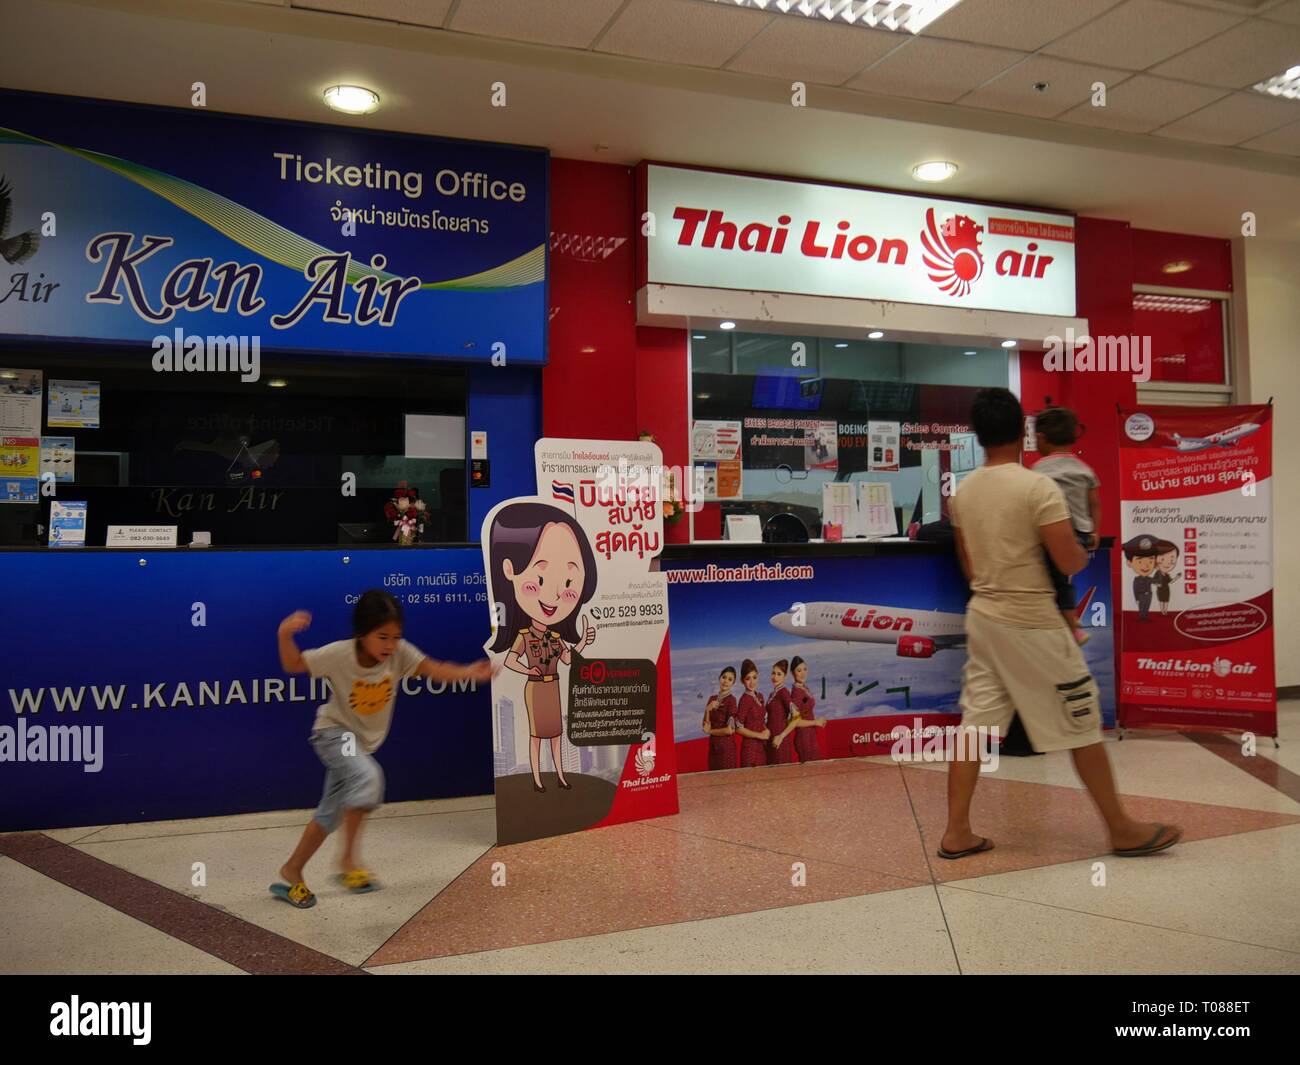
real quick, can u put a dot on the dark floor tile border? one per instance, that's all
(223, 935)
(1272, 773)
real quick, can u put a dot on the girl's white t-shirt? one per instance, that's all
(361, 699)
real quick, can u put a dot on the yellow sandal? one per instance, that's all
(298, 895)
(357, 881)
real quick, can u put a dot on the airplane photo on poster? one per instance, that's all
(1226, 438)
(914, 633)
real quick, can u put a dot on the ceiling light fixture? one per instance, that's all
(352, 99)
(910, 15)
(935, 170)
(1008, 343)
(842, 344)
(1179, 267)
(698, 336)
(875, 334)
(727, 325)
(1286, 84)
(972, 353)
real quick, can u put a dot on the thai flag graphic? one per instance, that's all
(563, 492)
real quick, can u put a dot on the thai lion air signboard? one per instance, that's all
(718, 230)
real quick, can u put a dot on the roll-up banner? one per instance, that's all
(582, 705)
(1197, 577)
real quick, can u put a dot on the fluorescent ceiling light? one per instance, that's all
(937, 170)
(910, 15)
(842, 344)
(1146, 301)
(972, 353)
(727, 325)
(1008, 343)
(352, 99)
(875, 334)
(1286, 84)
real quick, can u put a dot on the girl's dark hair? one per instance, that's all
(796, 663)
(726, 670)
(746, 668)
(516, 531)
(1059, 424)
(375, 608)
(782, 665)
(1163, 547)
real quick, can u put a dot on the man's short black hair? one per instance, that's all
(996, 417)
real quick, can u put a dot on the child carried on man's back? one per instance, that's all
(1057, 431)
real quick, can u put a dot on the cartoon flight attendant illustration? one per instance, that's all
(1140, 553)
(751, 719)
(718, 712)
(544, 572)
(1164, 575)
(779, 748)
(803, 701)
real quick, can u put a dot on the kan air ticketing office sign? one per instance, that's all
(127, 223)
(731, 231)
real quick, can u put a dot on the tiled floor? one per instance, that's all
(821, 868)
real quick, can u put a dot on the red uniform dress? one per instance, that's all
(778, 716)
(750, 715)
(722, 749)
(805, 739)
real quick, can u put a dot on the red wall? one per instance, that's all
(605, 378)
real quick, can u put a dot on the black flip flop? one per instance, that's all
(985, 844)
(1151, 847)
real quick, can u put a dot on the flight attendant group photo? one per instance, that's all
(747, 728)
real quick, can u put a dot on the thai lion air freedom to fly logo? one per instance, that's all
(952, 252)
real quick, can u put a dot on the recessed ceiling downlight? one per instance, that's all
(352, 99)
(935, 170)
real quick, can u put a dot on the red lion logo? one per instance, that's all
(952, 253)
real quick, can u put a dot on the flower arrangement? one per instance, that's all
(406, 510)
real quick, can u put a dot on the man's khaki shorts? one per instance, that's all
(1039, 673)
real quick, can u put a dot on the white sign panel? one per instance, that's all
(141, 536)
(719, 230)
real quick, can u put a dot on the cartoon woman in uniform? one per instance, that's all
(803, 701)
(751, 719)
(544, 572)
(1164, 575)
(779, 723)
(718, 712)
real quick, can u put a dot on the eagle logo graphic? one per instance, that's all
(952, 253)
(22, 247)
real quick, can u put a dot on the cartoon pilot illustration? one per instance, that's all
(1140, 553)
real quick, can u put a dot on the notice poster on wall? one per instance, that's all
(883, 447)
(715, 441)
(67, 523)
(74, 404)
(861, 647)
(582, 711)
(821, 447)
(19, 468)
(59, 457)
(876, 509)
(1197, 578)
(20, 402)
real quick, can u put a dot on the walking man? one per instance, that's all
(1022, 656)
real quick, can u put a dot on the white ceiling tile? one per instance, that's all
(935, 70)
(1284, 141)
(1239, 57)
(1238, 117)
(1140, 33)
(415, 12)
(555, 22)
(683, 31)
(1068, 84)
(1022, 24)
(1144, 103)
(803, 50)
